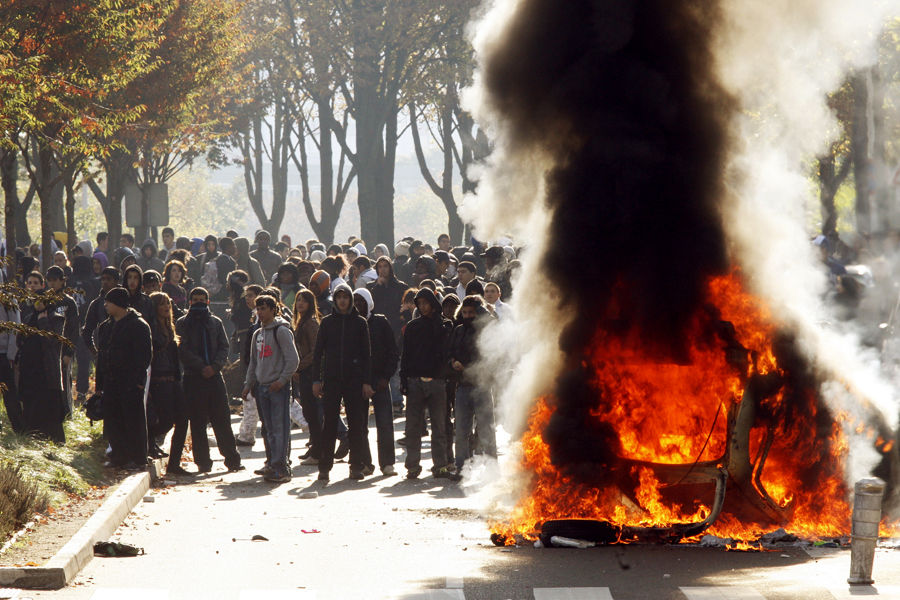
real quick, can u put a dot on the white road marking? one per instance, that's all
(585, 593)
(435, 595)
(721, 593)
(277, 595)
(9, 594)
(130, 593)
(455, 583)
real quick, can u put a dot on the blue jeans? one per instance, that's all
(396, 394)
(274, 408)
(384, 425)
(474, 404)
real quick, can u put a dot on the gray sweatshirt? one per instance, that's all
(273, 355)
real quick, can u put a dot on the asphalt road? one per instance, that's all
(386, 537)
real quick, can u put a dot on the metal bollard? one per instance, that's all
(866, 517)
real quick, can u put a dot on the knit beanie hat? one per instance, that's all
(117, 296)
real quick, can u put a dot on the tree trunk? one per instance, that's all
(118, 173)
(385, 198)
(8, 176)
(46, 195)
(369, 152)
(830, 181)
(69, 181)
(859, 149)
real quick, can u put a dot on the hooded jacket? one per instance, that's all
(385, 353)
(101, 256)
(224, 266)
(425, 342)
(247, 263)
(273, 355)
(387, 297)
(269, 260)
(84, 284)
(152, 262)
(120, 255)
(86, 247)
(343, 349)
(190, 329)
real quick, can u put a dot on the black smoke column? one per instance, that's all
(622, 95)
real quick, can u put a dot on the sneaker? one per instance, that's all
(309, 460)
(240, 442)
(445, 472)
(236, 468)
(265, 470)
(204, 468)
(323, 476)
(177, 470)
(356, 474)
(413, 473)
(388, 470)
(368, 470)
(342, 451)
(278, 478)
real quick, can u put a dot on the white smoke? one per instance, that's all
(780, 59)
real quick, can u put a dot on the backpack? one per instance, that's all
(210, 278)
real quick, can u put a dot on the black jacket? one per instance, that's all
(342, 348)
(385, 353)
(96, 314)
(39, 356)
(141, 302)
(464, 348)
(125, 352)
(68, 310)
(425, 343)
(189, 329)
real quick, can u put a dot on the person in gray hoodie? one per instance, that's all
(273, 360)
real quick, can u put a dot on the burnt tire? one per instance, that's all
(600, 532)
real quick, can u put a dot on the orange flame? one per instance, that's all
(678, 414)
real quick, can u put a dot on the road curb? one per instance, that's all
(79, 550)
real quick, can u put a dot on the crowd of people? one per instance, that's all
(309, 333)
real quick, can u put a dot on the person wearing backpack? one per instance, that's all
(273, 360)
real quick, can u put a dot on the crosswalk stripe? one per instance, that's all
(721, 593)
(436, 595)
(455, 583)
(572, 593)
(130, 593)
(277, 595)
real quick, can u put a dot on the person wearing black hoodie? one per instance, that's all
(385, 357)
(148, 259)
(387, 293)
(342, 369)
(203, 351)
(133, 281)
(125, 351)
(473, 402)
(423, 370)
